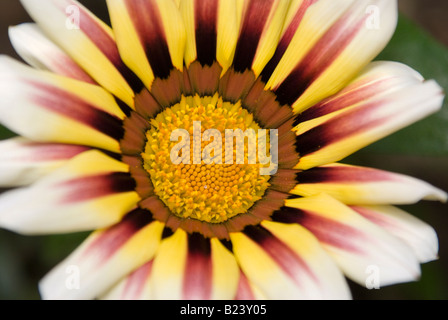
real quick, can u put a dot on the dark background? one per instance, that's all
(24, 260)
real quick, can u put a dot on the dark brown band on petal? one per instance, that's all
(112, 239)
(326, 230)
(287, 156)
(156, 207)
(284, 180)
(253, 24)
(206, 17)
(236, 85)
(144, 187)
(91, 187)
(286, 40)
(168, 91)
(73, 107)
(292, 264)
(146, 105)
(272, 201)
(204, 80)
(264, 106)
(261, 210)
(134, 140)
(238, 223)
(197, 283)
(106, 44)
(320, 57)
(147, 20)
(344, 125)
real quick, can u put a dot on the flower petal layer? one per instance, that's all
(358, 246)
(150, 36)
(40, 52)
(417, 234)
(324, 48)
(287, 262)
(135, 286)
(105, 257)
(50, 108)
(88, 40)
(360, 185)
(91, 191)
(338, 134)
(23, 161)
(261, 24)
(212, 31)
(192, 267)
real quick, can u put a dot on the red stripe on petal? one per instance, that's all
(343, 174)
(136, 281)
(206, 16)
(91, 187)
(319, 58)
(147, 19)
(373, 216)
(198, 270)
(254, 22)
(348, 97)
(326, 230)
(342, 126)
(73, 107)
(105, 43)
(293, 265)
(64, 65)
(244, 291)
(112, 239)
(286, 39)
(47, 152)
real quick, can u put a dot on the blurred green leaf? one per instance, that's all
(5, 133)
(414, 47)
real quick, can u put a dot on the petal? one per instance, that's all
(417, 234)
(135, 286)
(365, 252)
(169, 266)
(50, 108)
(261, 27)
(377, 80)
(88, 40)
(225, 272)
(131, 49)
(246, 290)
(149, 31)
(287, 262)
(360, 185)
(212, 31)
(193, 267)
(23, 161)
(105, 257)
(91, 191)
(40, 52)
(368, 121)
(332, 43)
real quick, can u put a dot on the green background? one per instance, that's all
(420, 150)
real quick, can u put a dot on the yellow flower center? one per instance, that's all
(203, 176)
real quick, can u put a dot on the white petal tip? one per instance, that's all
(437, 195)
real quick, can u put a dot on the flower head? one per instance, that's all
(201, 140)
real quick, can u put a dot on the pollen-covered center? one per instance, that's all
(206, 157)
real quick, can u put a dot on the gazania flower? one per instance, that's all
(97, 108)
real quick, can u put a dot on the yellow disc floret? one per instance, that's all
(201, 174)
